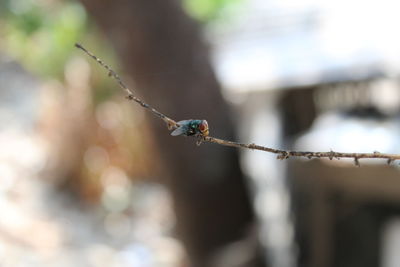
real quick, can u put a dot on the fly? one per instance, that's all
(191, 127)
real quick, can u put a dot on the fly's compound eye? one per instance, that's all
(203, 127)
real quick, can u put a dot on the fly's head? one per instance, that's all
(203, 128)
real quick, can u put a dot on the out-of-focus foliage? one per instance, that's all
(40, 33)
(210, 10)
(91, 148)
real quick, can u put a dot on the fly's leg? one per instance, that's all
(200, 139)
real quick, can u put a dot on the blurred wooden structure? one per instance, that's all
(340, 212)
(290, 64)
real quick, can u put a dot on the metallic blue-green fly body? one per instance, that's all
(191, 127)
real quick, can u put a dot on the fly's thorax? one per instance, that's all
(195, 123)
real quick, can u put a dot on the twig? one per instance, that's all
(111, 73)
(281, 154)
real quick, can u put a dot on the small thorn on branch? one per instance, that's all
(331, 154)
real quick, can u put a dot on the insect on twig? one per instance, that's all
(200, 129)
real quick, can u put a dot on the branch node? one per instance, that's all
(170, 125)
(129, 97)
(283, 155)
(252, 146)
(357, 162)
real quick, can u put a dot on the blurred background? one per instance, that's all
(88, 178)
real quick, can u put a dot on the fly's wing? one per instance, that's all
(179, 131)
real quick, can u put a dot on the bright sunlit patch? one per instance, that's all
(293, 43)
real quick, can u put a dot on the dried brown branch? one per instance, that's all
(111, 73)
(281, 154)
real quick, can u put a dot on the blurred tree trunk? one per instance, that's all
(162, 50)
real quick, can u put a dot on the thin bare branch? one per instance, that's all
(171, 124)
(281, 154)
